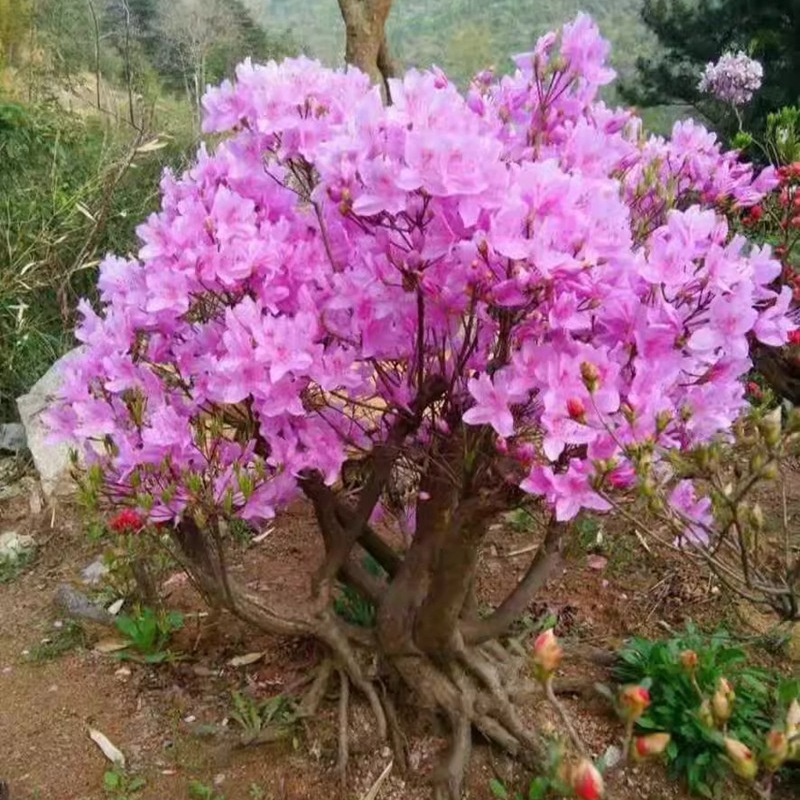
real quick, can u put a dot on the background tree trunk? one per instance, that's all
(366, 45)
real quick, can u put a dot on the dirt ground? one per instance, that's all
(154, 713)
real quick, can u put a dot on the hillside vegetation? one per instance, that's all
(461, 36)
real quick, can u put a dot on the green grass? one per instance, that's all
(12, 568)
(70, 636)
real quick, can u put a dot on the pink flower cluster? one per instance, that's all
(569, 278)
(734, 79)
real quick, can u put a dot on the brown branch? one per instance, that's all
(547, 556)
(339, 538)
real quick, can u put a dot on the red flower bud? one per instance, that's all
(794, 336)
(126, 521)
(741, 759)
(576, 409)
(776, 750)
(633, 702)
(653, 745)
(547, 654)
(689, 657)
(722, 701)
(756, 212)
(586, 781)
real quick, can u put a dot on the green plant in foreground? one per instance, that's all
(202, 791)
(703, 693)
(548, 784)
(119, 785)
(149, 633)
(256, 792)
(254, 717)
(353, 607)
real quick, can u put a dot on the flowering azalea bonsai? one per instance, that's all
(505, 295)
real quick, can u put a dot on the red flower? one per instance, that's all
(794, 336)
(756, 212)
(126, 521)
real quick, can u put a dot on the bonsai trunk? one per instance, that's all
(427, 642)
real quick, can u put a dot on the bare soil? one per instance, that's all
(154, 713)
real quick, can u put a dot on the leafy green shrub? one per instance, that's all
(149, 633)
(695, 752)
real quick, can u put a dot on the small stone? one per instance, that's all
(12, 437)
(58, 624)
(123, 673)
(13, 545)
(95, 572)
(386, 752)
(190, 719)
(219, 779)
(52, 461)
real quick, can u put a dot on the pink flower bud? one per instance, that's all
(590, 375)
(741, 759)
(633, 702)
(586, 781)
(776, 750)
(547, 654)
(793, 719)
(689, 660)
(705, 714)
(722, 701)
(649, 746)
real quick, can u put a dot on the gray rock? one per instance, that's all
(52, 461)
(76, 604)
(13, 545)
(12, 437)
(95, 572)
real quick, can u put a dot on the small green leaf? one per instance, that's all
(498, 790)
(111, 780)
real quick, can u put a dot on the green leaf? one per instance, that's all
(156, 658)
(111, 780)
(498, 790)
(538, 788)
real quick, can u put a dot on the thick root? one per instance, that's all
(344, 747)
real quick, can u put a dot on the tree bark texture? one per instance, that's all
(366, 46)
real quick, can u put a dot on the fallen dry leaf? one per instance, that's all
(245, 660)
(111, 645)
(112, 753)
